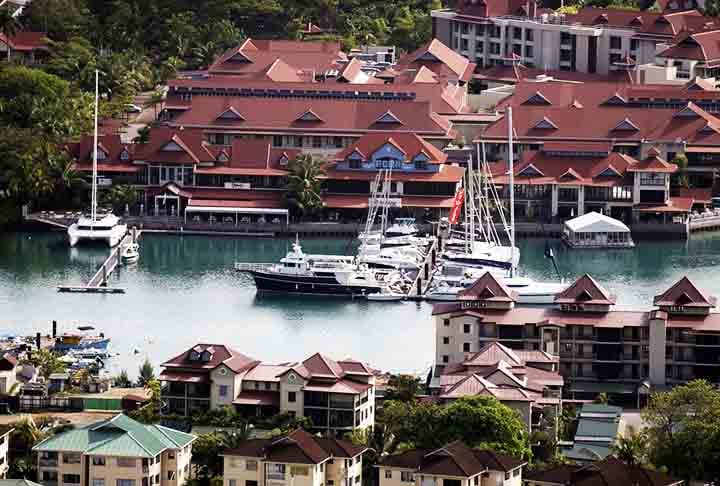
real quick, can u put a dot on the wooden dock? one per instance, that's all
(425, 273)
(98, 283)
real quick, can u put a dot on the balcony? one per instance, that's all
(276, 476)
(48, 462)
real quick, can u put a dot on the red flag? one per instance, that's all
(457, 206)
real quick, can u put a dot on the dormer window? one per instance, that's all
(421, 164)
(707, 129)
(545, 124)
(194, 355)
(686, 112)
(124, 155)
(601, 19)
(610, 171)
(530, 171)
(388, 117)
(616, 99)
(537, 99)
(171, 146)
(230, 114)
(626, 125)
(637, 21)
(206, 356)
(284, 160)
(101, 154)
(309, 116)
(222, 157)
(239, 57)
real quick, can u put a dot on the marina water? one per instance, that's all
(184, 290)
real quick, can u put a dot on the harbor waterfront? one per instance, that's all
(184, 290)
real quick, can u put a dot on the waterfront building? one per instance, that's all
(454, 464)
(609, 471)
(5, 431)
(117, 451)
(336, 396)
(631, 120)
(8, 373)
(298, 458)
(420, 179)
(591, 41)
(115, 160)
(600, 349)
(598, 428)
(564, 179)
(595, 230)
(24, 46)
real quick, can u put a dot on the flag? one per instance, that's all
(457, 206)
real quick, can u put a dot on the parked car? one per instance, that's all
(132, 108)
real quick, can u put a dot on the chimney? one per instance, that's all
(54, 329)
(37, 340)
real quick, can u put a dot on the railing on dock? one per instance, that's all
(425, 273)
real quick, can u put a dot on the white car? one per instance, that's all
(132, 108)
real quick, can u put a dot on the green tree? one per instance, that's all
(46, 361)
(683, 431)
(120, 196)
(206, 455)
(630, 447)
(146, 373)
(602, 398)
(712, 8)
(682, 163)
(122, 380)
(402, 387)
(8, 25)
(304, 183)
(379, 441)
(143, 135)
(157, 98)
(233, 438)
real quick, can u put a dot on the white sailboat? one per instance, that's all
(96, 225)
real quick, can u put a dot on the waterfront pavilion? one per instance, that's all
(595, 230)
(234, 211)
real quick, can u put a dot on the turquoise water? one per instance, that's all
(184, 291)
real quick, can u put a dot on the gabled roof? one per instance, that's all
(489, 289)
(230, 114)
(408, 143)
(309, 116)
(610, 471)
(544, 124)
(697, 46)
(585, 290)
(437, 52)
(297, 447)
(626, 124)
(388, 117)
(117, 436)
(653, 163)
(493, 353)
(537, 99)
(26, 41)
(455, 459)
(219, 355)
(684, 293)
(175, 146)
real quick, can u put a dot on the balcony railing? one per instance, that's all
(48, 463)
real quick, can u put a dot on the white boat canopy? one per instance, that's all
(235, 208)
(593, 222)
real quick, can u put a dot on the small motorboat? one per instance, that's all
(131, 253)
(385, 297)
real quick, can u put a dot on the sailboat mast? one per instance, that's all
(93, 207)
(471, 199)
(512, 192)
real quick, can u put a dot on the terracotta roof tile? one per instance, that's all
(585, 290)
(488, 288)
(684, 293)
(408, 143)
(219, 354)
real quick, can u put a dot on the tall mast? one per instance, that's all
(512, 192)
(93, 208)
(471, 199)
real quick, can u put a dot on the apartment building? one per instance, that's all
(594, 40)
(599, 348)
(297, 459)
(631, 119)
(454, 464)
(337, 396)
(115, 452)
(5, 431)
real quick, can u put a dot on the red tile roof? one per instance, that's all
(447, 173)
(361, 202)
(188, 147)
(684, 293)
(488, 288)
(492, 354)
(653, 163)
(489, 8)
(254, 397)
(698, 46)
(298, 447)
(184, 376)
(219, 355)
(644, 23)
(26, 41)
(438, 58)
(610, 471)
(251, 157)
(585, 290)
(674, 205)
(408, 143)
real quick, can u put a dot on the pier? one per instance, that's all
(425, 273)
(98, 283)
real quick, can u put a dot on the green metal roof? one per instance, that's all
(587, 452)
(598, 426)
(118, 436)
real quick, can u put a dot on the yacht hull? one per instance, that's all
(308, 285)
(110, 237)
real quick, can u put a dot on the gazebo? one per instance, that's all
(595, 230)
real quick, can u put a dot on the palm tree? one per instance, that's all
(304, 183)
(630, 447)
(9, 27)
(239, 434)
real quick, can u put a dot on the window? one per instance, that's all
(251, 466)
(529, 51)
(445, 358)
(125, 482)
(565, 38)
(268, 385)
(171, 454)
(292, 397)
(446, 322)
(300, 470)
(466, 347)
(466, 328)
(98, 482)
(276, 471)
(232, 482)
(171, 475)
(98, 461)
(71, 458)
(71, 478)
(615, 58)
(50, 476)
(223, 390)
(406, 477)
(634, 44)
(615, 42)
(357, 479)
(355, 164)
(528, 35)
(517, 33)
(446, 340)
(125, 462)
(463, 44)
(388, 473)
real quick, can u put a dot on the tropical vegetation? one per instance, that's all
(304, 183)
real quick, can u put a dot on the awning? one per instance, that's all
(184, 377)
